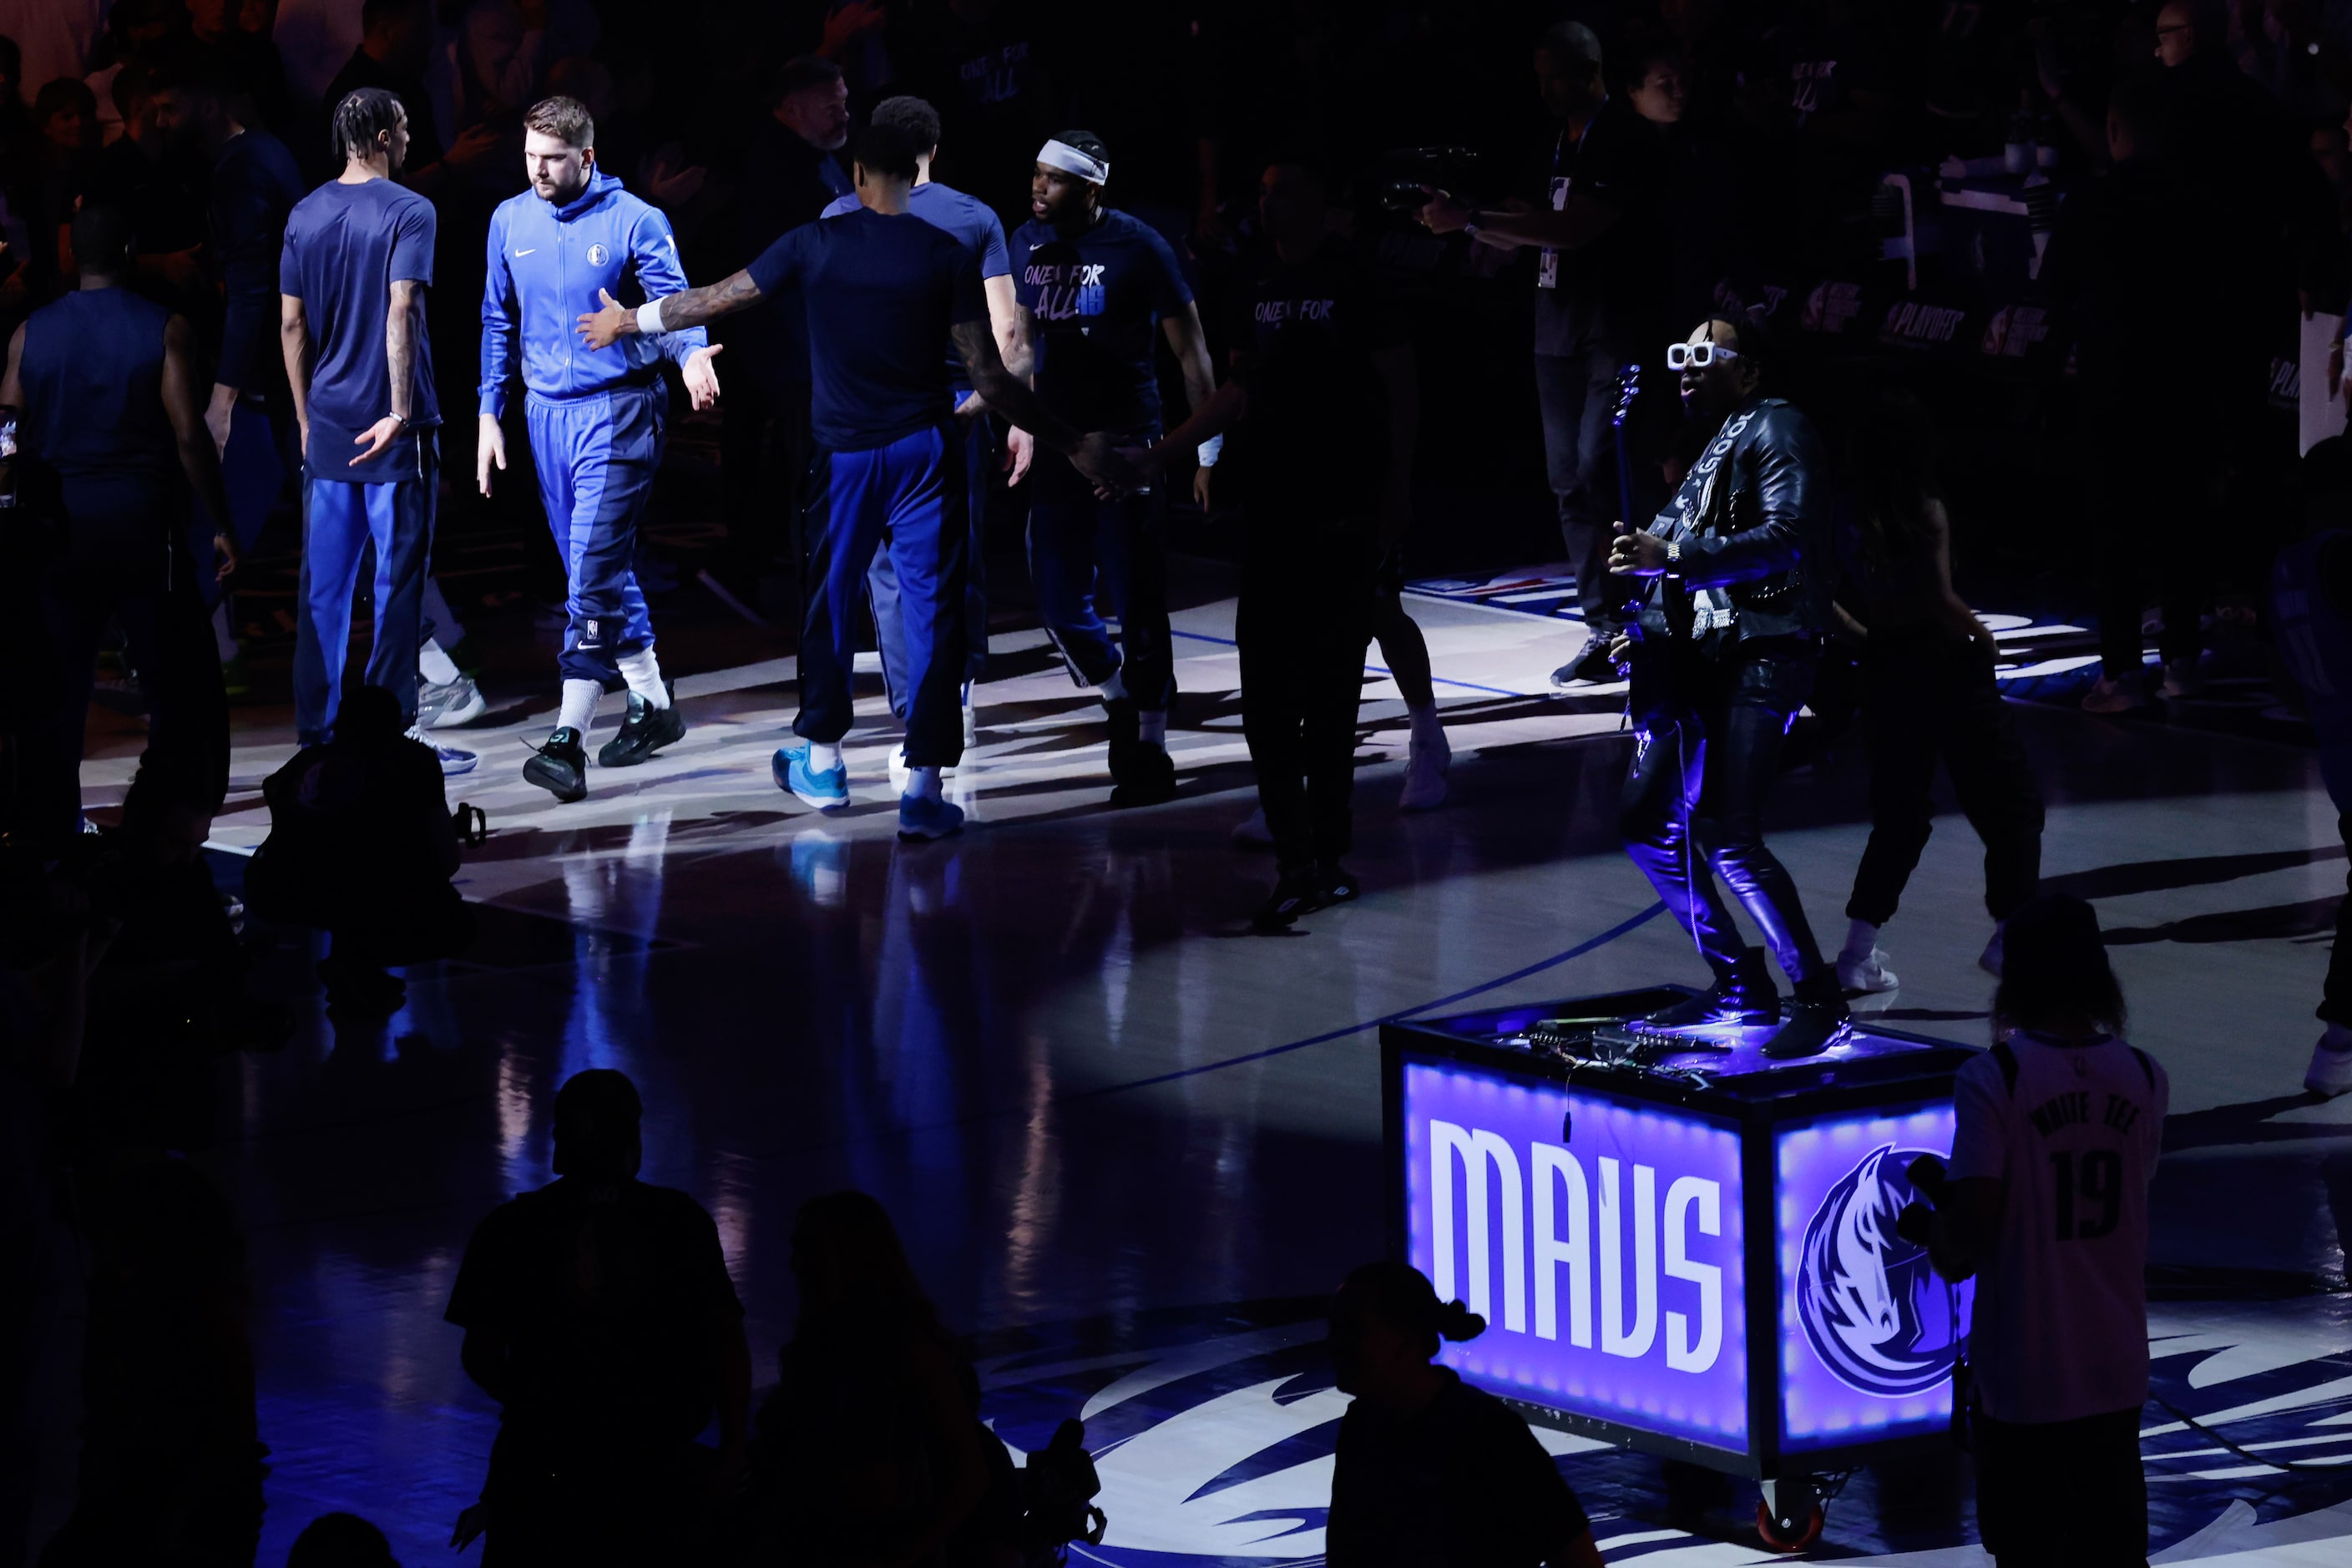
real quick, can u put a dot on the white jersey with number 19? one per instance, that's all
(2073, 1129)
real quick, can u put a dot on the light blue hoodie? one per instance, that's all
(546, 264)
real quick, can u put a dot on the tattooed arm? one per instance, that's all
(678, 311)
(403, 324)
(1008, 395)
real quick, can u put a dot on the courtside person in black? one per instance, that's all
(1429, 1472)
(1734, 579)
(882, 287)
(112, 414)
(1321, 412)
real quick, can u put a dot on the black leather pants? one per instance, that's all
(1709, 748)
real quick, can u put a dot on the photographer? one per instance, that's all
(361, 844)
(2060, 1125)
(113, 427)
(1598, 262)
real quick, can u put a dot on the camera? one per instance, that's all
(1400, 174)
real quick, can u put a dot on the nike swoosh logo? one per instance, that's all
(532, 251)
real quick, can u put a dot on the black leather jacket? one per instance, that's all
(1751, 524)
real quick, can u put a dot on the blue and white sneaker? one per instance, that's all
(920, 817)
(826, 791)
(453, 760)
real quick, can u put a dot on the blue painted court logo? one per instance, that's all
(1873, 1310)
(1213, 1429)
(596, 254)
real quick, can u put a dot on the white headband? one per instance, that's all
(1070, 160)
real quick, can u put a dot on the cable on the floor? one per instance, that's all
(2212, 1436)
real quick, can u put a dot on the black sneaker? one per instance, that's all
(1298, 893)
(1745, 996)
(1591, 665)
(560, 766)
(1335, 884)
(646, 731)
(1140, 772)
(1142, 775)
(1818, 1019)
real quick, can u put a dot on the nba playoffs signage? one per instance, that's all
(1605, 1241)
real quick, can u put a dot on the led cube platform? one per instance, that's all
(1693, 1252)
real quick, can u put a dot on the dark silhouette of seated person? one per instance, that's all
(871, 1448)
(1430, 1471)
(341, 1541)
(599, 1314)
(361, 844)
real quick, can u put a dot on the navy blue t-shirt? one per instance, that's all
(969, 219)
(345, 248)
(882, 292)
(1096, 301)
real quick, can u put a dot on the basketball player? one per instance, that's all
(2046, 1201)
(351, 277)
(595, 418)
(1093, 284)
(882, 288)
(969, 220)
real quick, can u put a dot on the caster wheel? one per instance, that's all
(1789, 1535)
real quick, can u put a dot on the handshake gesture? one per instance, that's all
(1115, 470)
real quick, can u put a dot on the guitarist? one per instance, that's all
(1734, 579)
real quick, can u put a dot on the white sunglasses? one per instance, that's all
(1697, 356)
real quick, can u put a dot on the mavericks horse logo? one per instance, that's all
(1873, 1310)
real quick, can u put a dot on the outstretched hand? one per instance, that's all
(701, 376)
(377, 436)
(603, 328)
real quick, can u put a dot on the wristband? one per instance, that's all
(1211, 450)
(649, 317)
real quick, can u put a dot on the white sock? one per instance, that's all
(1152, 725)
(1427, 731)
(1114, 689)
(580, 699)
(824, 759)
(433, 665)
(222, 641)
(1861, 937)
(643, 672)
(923, 781)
